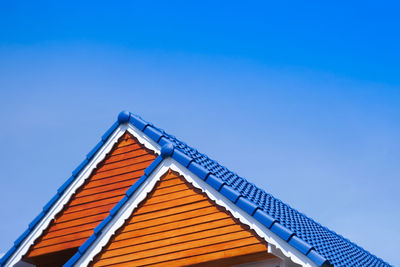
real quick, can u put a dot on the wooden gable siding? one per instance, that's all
(177, 225)
(107, 184)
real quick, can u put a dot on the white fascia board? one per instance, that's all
(276, 245)
(78, 181)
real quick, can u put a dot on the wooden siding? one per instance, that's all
(107, 184)
(179, 225)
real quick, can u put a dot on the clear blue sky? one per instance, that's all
(301, 98)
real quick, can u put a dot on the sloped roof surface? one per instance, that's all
(335, 248)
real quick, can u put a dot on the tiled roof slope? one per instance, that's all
(338, 250)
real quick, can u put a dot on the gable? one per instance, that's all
(91, 203)
(178, 224)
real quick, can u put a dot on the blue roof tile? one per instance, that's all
(264, 218)
(215, 182)
(138, 122)
(22, 237)
(36, 220)
(198, 170)
(321, 261)
(7, 255)
(79, 168)
(166, 150)
(181, 157)
(153, 133)
(302, 246)
(124, 116)
(110, 131)
(329, 247)
(51, 202)
(101, 225)
(116, 208)
(94, 150)
(87, 244)
(152, 166)
(66, 184)
(246, 205)
(281, 231)
(163, 141)
(230, 193)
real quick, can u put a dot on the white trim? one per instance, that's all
(83, 175)
(142, 138)
(275, 242)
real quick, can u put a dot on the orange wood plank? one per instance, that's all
(253, 252)
(137, 157)
(92, 202)
(193, 207)
(126, 140)
(199, 216)
(70, 230)
(85, 220)
(171, 189)
(84, 213)
(65, 238)
(171, 182)
(225, 233)
(134, 176)
(62, 246)
(170, 227)
(96, 197)
(106, 188)
(170, 253)
(167, 197)
(126, 169)
(177, 244)
(172, 203)
(124, 150)
(220, 225)
(90, 205)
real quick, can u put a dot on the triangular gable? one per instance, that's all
(179, 225)
(67, 191)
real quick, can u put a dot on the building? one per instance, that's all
(142, 197)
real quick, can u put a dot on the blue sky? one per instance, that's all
(300, 98)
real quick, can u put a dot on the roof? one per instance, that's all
(323, 246)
